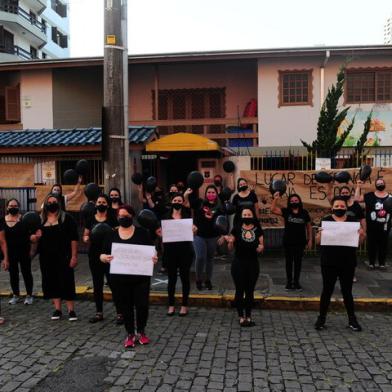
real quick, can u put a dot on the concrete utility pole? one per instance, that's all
(115, 144)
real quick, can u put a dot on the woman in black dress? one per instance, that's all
(18, 244)
(98, 269)
(338, 262)
(131, 291)
(115, 200)
(248, 240)
(244, 198)
(58, 250)
(3, 256)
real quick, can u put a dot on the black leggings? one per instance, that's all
(293, 255)
(245, 275)
(330, 274)
(178, 261)
(132, 291)
(377, 242)
(25, 267)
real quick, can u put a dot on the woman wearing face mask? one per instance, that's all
(131, 291)
(18, 244)
(58, 250)
(338, 262)
(57, 189)
(3, 256)
(179, 257)
(244, 198)
(248, 240)
(205, 242)
(115, 201)
(98, 269)
(378, 222)
(297, 235)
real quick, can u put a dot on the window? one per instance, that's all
(6, 41)
(59, 8)
(369, 86)
(58, 38)
(9, 104)
(44, 55)
(295, 88)
(94, 174)
(33, 52)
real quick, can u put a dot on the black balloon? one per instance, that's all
(365, 172)
(229, 208)
(87, 210)
(151, 184)
(82, 167)
(137, 178)
(222, 225)
(387, 204)
(226, 193)
(32, 220)
(323, 177)
(70, 177)
(148, 219)
(99, 232)
(92, 191)
(343, 177)
(228, 166)
(278, 186)
(195, 180)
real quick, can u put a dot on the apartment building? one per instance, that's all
(33, 29)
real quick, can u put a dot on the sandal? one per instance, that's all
(171, 313)
(185, 313)
(98, 317)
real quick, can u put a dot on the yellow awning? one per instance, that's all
(182, 142)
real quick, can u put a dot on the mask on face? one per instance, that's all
(242, 188)
(345, 197)
(380, 187)
(294, 205)
(115, 199)
(217, 182)
(177, 206)
(13, 210)
(211, 197)
(125, 221)
(52, 207)
(247, 221)
(171, 194)
(101, 208)
(339, 212)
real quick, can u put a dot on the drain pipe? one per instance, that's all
(322, 77)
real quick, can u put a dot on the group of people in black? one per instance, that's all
(56, 242)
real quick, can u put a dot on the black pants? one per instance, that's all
(25, 267)
(132, 292)
(377, 242)
(178, 261)
(330, 274)
(245, 274)
(294, 254)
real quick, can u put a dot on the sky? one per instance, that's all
(165, 26)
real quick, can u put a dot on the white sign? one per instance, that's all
(132, 259)
(48, 171)
(340, 234)
(323, 163)
(177, 230)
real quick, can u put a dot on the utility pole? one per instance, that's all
(115, 143)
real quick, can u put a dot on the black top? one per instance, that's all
(17, 238)
(355, 211)
(376, 216)
(246, 242)
(205, 215)
(337, 255)
(239, 201)
(295, 227)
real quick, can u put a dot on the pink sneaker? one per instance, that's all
(143, 339)
(129, 342)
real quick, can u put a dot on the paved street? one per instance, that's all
(206, 351)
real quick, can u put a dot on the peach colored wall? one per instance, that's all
(36, 89)
(239, 78)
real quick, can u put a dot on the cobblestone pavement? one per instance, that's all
(206, 351)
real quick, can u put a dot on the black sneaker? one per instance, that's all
(208, 284)
(297, 287)
(320, 323)
(289, 286)
(72, 316)
(354, 325)
(56, 315)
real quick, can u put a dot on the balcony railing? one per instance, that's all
(18, 51)
(228, 128)
(16, 10)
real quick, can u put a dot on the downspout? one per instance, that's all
(322, 77)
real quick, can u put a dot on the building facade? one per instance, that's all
(33, 29)
(388, 31)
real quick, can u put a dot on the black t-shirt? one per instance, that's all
(246, 242)
(205, 215)
(249, 200)
(295, 227)
(337, 255)
(376, 216)
(355, 211)
(17, 238)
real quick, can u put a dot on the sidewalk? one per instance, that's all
(373, 290)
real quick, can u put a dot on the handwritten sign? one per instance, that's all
(177, 230)
(340, 234)
(132, 259)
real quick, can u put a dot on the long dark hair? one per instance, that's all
(300, 207)
(119, 194)
(238, 222)
(217, 201)
(44, 212)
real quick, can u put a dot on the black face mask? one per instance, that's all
(171, 194)
(242, 188)
(294, 205)
(177, 206)
(339, 212)
(345, 197)
(13, 210)
(101, 208)
(248, 221)
(125, 221)
(217, 182)
(380, 187)
(52, 207)
(115, 199)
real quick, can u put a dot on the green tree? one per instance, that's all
(327, 143)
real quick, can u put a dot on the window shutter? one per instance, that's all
(63, 41)
(12, 104)
(2, 40)
(54, 34)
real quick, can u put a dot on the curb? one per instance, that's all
(261, 301)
